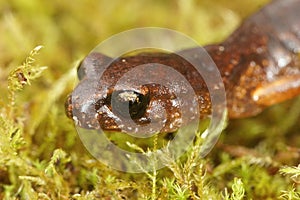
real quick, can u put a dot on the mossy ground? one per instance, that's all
(41, 156)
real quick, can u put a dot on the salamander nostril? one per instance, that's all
(128, 103)
(80, 71)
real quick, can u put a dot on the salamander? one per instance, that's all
(259, 64)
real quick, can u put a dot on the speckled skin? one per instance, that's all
(259, 64)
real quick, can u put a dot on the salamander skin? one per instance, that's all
(259, 64)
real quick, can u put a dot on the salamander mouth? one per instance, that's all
(68, 106)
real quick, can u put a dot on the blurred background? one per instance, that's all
(70, 29)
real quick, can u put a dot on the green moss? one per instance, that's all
(41, 156)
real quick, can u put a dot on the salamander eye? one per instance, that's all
(130, 103)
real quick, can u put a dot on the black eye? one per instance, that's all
(130, 103)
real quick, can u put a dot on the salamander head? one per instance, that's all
(140, 93)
